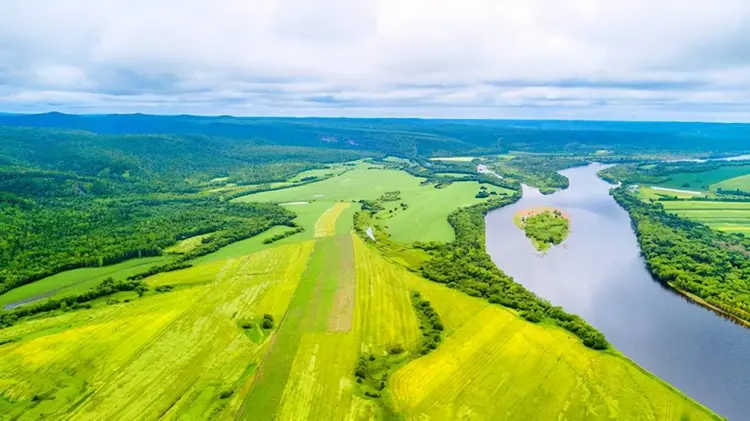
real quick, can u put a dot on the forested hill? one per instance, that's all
(53, 162)
(418, 137)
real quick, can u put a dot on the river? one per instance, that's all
(601, 276)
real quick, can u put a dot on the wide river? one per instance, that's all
(601, 276)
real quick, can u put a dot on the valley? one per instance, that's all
(260, 280)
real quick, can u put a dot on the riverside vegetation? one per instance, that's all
(545, 228)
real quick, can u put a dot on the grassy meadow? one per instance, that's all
(494, 365)
(729, 216)
(75, 281)
(722, 215)
(741, 183)
(424, 218)
(725, 216)
(705, 180)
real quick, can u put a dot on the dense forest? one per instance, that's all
(416, 137)
(545, 228)
(690, 256)
(37, 161)
(45, 237)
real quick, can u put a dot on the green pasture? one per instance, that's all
(741, 183)
(76, 281)
(701, 181)
(725, 216)
(424, 218)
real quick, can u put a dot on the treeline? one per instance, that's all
(283, 235)
(465, 265)
(658, 172)
(690, 256)
(430, 324)
(735, 192)
(416, 137)
(56, 235)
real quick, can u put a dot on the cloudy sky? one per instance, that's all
(588, 59)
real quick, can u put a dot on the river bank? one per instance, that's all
(602, 277)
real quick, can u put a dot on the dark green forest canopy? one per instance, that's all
(45, 238)
(137, 163)
(417, 137)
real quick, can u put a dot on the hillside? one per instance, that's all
(417, 137)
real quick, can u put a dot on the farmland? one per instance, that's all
(204, 354)
(192, 348)
(705, 180)
(724, 216)
(75, 281)
(741, 183)
(493, 364)
(424, 217)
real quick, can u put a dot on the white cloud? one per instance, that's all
(469, 58)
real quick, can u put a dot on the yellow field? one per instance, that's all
(165, 355)
(185, 354)
(320, 385)
(497, 366)
(384, 311)
(326, 224)
(187, 244)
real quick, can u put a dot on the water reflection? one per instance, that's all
(601, 276)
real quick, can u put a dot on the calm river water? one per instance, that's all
(602, 277)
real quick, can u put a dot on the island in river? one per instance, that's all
(544, 226)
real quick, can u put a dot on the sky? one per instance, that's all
(560, 59)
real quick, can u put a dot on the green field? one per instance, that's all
(493, 365)
(75, 281)
(424, 219)
(649, 193)
(725, 216)
(199, 352)
(741, 183)
(722, 215)
(186, 245)
(702, 181)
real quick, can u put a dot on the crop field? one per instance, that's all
(319, 316)
(741, 183)
(75, 281)
(384, 311)
(702, 181)
(326, 224)
(107, 363)
(331, 298)
(725, 216)
(199, 351)
(332, 170)
(648, 193)
(187, 245)
(495, 365)
(424, 218)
